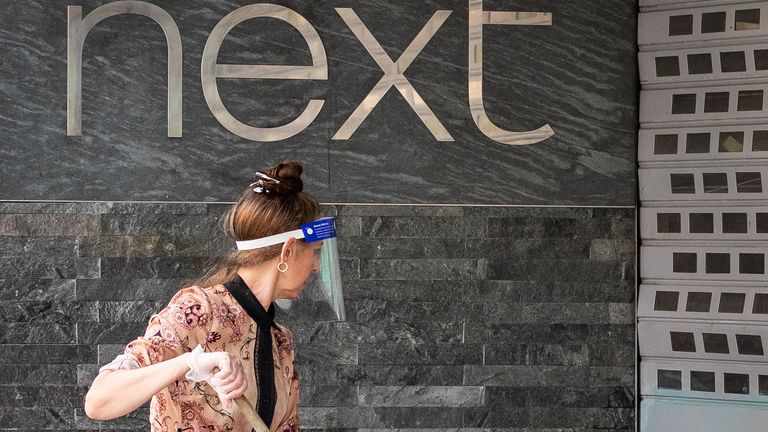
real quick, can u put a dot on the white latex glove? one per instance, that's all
(221, 370)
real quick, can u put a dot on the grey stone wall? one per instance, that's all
(458, 317)
(578, 75)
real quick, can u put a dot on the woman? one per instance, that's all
(216, 340)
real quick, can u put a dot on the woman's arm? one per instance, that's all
(115, 393)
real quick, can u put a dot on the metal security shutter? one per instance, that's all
(703, 154)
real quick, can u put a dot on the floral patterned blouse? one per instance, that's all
(213, 318)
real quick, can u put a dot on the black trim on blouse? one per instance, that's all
(263, 361)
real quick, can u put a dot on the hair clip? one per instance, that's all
(263, 176)
(260, 188)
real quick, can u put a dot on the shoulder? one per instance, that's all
(283, 329)
(283, 336)
(200, 296)
(193, 306)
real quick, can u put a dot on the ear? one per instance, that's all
(288, 249)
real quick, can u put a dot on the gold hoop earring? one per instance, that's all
(282, 269)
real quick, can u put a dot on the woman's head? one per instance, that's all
(269, 207)
(274, 203)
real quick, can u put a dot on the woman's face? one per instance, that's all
(306, 261)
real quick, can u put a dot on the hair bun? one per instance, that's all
(288, 174)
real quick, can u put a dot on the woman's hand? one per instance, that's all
(221, 370)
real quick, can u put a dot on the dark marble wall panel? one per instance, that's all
(579, 75)
(523, 320)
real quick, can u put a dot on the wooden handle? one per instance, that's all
(247, 409)
(250, 414)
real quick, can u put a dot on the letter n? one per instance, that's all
(78, 28)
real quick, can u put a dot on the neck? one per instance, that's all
(261, 282)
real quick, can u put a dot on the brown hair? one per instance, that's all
(273, 204)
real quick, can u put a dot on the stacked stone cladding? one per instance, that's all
(503, 318)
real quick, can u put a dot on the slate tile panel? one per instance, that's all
(483, 319)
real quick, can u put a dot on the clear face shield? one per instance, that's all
(322, 298)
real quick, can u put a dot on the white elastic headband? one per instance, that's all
(269, 241)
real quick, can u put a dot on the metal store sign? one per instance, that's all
(79, 26)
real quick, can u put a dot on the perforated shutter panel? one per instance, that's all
(703, 153)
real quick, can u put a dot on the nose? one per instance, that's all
(316, 265)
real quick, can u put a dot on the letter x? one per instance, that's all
(393, 75)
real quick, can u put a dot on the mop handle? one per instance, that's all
(250, 414)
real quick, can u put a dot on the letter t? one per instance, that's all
(477, 18)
